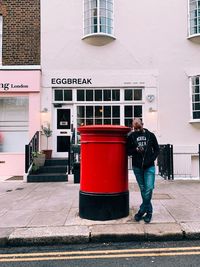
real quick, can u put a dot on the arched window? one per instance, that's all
(194, 17)
(98, 17)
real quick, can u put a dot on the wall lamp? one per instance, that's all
(45, 110)
(152, 109)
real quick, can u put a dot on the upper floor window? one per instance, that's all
(1, 36)
(98, 17)
(195, 82)
(194, 17)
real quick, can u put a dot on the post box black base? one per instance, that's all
(102, 207)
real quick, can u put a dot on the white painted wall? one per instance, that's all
(151, 47)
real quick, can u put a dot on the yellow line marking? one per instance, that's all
(102, 256)
(58, 253)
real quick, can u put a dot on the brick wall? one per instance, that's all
(21, 32)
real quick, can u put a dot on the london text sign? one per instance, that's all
(8, 86)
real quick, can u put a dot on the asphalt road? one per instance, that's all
(182, 253)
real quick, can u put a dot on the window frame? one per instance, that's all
(95, 116)
(107, 18)
(190, 33)
(63, 89)
(121, 102)
(114, 93)
(192, 94)
(15, 124)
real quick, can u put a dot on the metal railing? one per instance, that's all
(75, 155)
(33, 146)
(165, 162)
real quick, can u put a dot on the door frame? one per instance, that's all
(56, 131)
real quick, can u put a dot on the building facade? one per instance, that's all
(106, 61)
(102, 62)
(20, 80)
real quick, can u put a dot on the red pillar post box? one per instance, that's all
(104, 193)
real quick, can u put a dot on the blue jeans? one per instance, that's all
(145, 179)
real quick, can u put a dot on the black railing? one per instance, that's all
(74, 156)
(165, 162)
(74, 153)
(33, 146)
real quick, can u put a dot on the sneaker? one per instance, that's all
(147, 217)
(138, 216)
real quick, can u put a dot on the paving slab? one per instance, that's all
(161, 214)
(117, 232)
(182, 210)
(163, 231)
(191, 230)
(49, 235)
(48, 218)
(15, 218)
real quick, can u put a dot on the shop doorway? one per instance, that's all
(62, 131)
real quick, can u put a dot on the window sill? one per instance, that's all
(98, 39)
(195, 121)
(194, 37)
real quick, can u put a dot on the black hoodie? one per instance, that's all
(143, 147)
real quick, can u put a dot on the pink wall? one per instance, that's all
(14, 163)
(19, 81)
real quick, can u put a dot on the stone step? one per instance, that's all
(56, 161)
(47, 177)
(53, 169)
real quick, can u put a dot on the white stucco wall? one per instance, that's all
(151, 47)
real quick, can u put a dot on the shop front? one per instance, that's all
(100, 98)
(19, 116)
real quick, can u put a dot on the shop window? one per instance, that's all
(194, 17)
(107, 111)
(80, 95)
(107, 95)
(98, 95)
(115, 95)
(195, 81)
(131, 112)
(98, 115)
(14, 123)
(89, 95)
(67, 95)
(62, 95)
(98, 17)
(133, 94)
(1, 37)
(58, 95)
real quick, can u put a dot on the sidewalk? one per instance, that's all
(47, 213)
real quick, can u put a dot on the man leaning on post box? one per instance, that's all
(142, 145)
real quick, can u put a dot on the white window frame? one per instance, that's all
(121, 102)
(1, 38)
(99, 31)
(191, 98)
(190, 33)
(12, 123)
